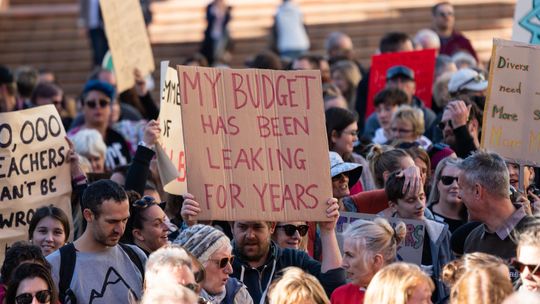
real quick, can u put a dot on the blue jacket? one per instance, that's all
(258, 280)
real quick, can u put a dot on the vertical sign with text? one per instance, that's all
(511, 124)
(34, 169)
(256, 145)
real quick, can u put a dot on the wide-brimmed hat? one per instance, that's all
(467, 79)
(338, 166)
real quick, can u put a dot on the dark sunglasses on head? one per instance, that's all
(145, 202)
(92, 103)
(533, 269)
(448, 180)
(43, 296)
(223, 262)
(291, 229)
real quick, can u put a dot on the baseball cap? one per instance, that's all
(399, 70)
(101, 86)
(338, 166)
(5, 75)
(467, 79)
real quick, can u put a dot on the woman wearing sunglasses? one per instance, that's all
(31, 283)
(291, 235)
(444, 200)
(147, 225)
(213, 249)
(527, 260)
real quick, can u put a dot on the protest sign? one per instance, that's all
(512, 109)
(410, 250)
(255, 143)
(526, 27)
(421, 62)
(34, 169)
(170, 151)
(128, 40)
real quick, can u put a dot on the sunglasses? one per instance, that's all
(199, 276)
(442, 124)
(92, 103)
(223, 262)
(145, 202)
(43, 296)
(533, 269)
(290, 230)
(339, 177)
(446, 14)
(448, 180)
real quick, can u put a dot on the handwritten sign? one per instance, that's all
(170, 152)
(410, 250)
(256, 145)
(128, 40)
(34, 169)
(421, 62)
(512, 111)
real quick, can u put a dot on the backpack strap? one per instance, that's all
(68, 257)
(133, 257)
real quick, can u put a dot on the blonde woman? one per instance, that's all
(454, 270)
(481, 286)
(296, 286)
(368, 246)
(346, 76)
(400, 283)
(408, 126)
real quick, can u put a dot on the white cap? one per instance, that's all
(467, 79)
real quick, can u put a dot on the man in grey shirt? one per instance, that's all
(104, 271)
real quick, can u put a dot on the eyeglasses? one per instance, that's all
(290, 230)
(223, 262)
(401, 131)
(443, 124)
(533, 269)
(199, 275)
(351, 133)
(448, 180)
(43, 296)
(92, 103)
(196, 288)
(145, 202)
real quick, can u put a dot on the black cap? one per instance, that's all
(399, 70)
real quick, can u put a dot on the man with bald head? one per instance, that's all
(339, 46)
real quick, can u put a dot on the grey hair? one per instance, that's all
(166, 257)
(332, 40)
(434, 194)
(376, 237)
(487, 169)
(427, 35)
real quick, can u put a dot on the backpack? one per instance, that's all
(68, 257)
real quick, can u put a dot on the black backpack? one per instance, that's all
(68, 257)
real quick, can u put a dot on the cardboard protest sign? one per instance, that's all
(255, 142)
(34, 169)
(170, 152)
(526, 27)
(128, 40)
(421, 62)
(512, 109)
(410, 250)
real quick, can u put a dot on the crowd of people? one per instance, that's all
(135, 243)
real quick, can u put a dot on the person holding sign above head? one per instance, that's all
(368, 246)
(412, 205)
(49, 229)
(258, 259)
